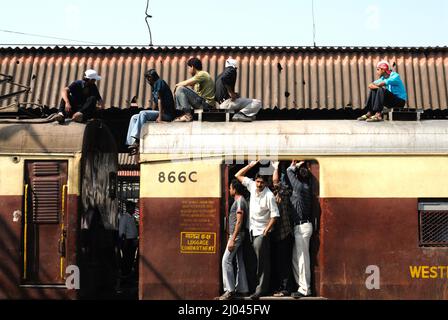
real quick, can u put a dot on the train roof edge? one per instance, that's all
(299, 137)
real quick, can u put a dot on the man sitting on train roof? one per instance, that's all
(228, 99)
(79, 99)
(387, 91)
(163, 109)
(203, 95)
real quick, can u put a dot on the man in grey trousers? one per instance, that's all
(263, 213)
(237, 217)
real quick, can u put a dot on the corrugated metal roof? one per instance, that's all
(283, 77)
(125, 160)
(320, 137)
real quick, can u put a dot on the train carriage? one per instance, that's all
(57, 198)
(380, 214)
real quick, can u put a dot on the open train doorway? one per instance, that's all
(282, 282)
(128, 191)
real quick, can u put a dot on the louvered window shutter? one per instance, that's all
(46, 192)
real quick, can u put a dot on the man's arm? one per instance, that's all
(65, 92)
(239, 222)
(275, 214)
(240, 175)
(291, 172)
(160, 107)
(186, 83)
(376, 85)
(101, 103)
(275, 175)
(269, 227)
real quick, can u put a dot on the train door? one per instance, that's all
(279, 248)
(44, 224)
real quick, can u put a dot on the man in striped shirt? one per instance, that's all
(301, 200)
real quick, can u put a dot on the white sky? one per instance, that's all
(227, 22)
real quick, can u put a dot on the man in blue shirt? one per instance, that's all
(164, 109)
(79, 99)
(387, 91)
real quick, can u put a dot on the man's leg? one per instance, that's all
(392, 101)
(144, 116)
(261, 246)
(87, 109)
(228, 276)
(132, 130)
(301, 257)
(284, 248)
(248, 107)
(187, 100)
(241, 277)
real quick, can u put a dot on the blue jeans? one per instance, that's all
(138, 120)
(187, 100)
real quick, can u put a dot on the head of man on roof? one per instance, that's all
(383, 68)
(91, 76)
(230, 62)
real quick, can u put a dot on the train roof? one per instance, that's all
(49, 137)
(299, 137)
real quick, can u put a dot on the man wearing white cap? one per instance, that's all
(387, 91)
(79, 99)
(228, 99)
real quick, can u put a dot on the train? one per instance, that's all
(380, 213)
(58, 209)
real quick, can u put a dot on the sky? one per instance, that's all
(226, 22)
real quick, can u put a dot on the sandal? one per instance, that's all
(363, 118)
(282, 293)
(374, 119)
(185, 118)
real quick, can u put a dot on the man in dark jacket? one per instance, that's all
(80, 98)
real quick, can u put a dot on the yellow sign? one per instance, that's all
(198, 242)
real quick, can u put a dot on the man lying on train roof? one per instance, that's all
(79, 99)
(387, 91)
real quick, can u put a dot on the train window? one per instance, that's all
(433, 224)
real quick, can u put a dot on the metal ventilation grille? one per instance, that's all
(46, 169)
(46, 190)
(433, 228)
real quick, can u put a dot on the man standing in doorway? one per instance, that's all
(301, 200)
(263, 213)
(237, 217)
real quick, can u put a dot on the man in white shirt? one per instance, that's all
(128, 233)
(263, 213)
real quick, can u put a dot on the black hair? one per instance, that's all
(263, 177)
(195, 62)
(303, 173)
(239, 188)
(152, 73)
(130, 206)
